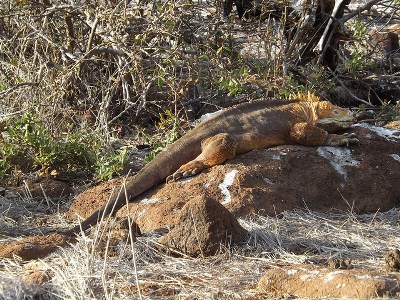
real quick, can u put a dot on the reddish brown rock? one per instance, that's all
(387, 39)
(47, 187)
(204, 226)
(308, 281)
(34, 247)
(270, 181)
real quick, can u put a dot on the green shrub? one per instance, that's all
(81, 153)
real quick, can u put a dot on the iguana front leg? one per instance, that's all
(215, 150)
(310, 135)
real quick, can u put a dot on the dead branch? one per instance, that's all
(318, 48)
(65, 53)
(70, 32)
(16, 87)
(365, 7)
(92, 33)
(350, 92)
(103, 50)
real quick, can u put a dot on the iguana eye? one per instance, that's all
(336, 112)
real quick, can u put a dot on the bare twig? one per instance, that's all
(16, 87)
(305, 24)
(92, 33)
(70, 32)
(62, 49)
(102, 50)
(365, 7)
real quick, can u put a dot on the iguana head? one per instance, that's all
(331, 117)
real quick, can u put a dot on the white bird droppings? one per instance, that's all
(269, 181)
(331, 275)
(228, 180)
(206, 116)
(395, 157)
(292, 272)
(339, 158)
(149, 201)
(141, 214)
(279, 155)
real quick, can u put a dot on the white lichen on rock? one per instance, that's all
(389, 134)
(339, 158)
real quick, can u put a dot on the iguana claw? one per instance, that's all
(351, 138)
(342, 140)
(350, 135)
(191, 168)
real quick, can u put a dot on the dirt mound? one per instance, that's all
(45, 188)
(36, 278)
(92, 199)
(204, 225)
(34, 247)
(310, 281)
(270, 181)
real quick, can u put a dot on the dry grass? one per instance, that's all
(142, 271)
(46, 69)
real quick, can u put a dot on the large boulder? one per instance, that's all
(362, 178)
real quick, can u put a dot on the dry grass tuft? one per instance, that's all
(142, 271)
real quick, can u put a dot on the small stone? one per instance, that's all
(35, 278)
(392, 260)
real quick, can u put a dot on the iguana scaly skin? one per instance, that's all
(231, 132)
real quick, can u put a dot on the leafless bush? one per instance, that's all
(113, 60)
(131, 60)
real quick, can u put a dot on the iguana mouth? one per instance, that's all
(349, 118)
(332, 124)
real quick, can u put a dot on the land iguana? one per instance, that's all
(231, 132)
